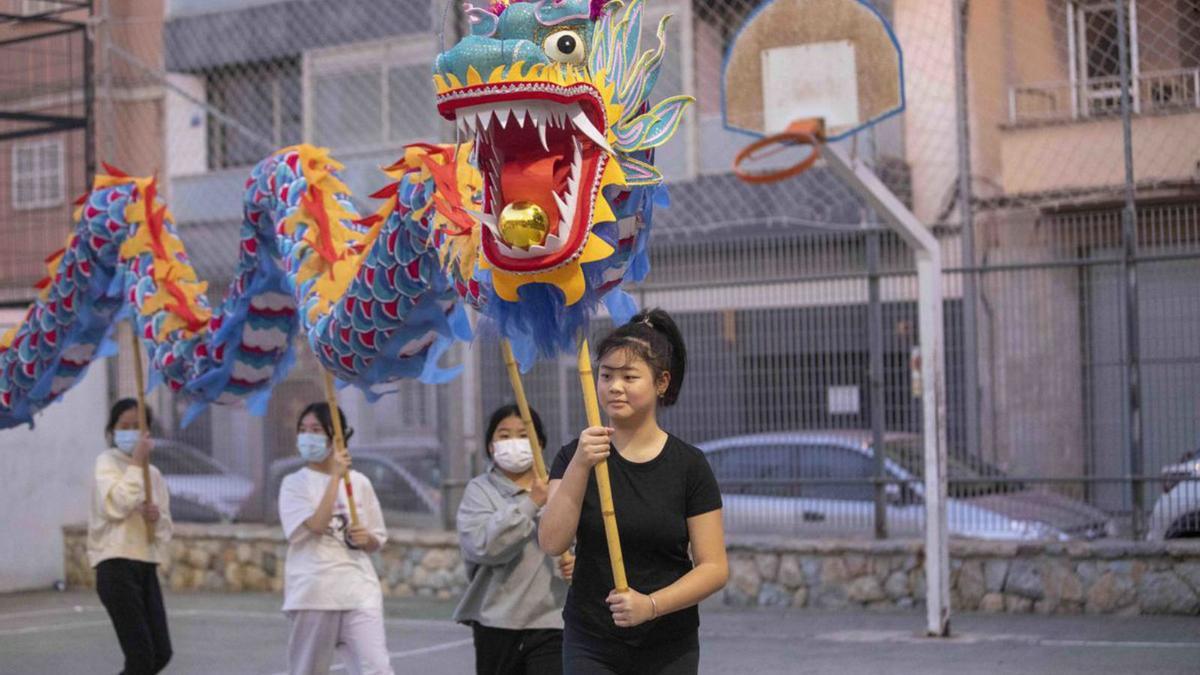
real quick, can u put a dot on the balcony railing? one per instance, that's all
(1156, 92)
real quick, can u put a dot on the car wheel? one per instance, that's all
(1185, 527)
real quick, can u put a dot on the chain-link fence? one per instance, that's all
(1070, 225)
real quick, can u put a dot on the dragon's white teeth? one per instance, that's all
(484, 119)
(495, 232)
(485, 218)
(576, 168)
(583, 124)
(487, 121)
(518, 113)
(550, 245)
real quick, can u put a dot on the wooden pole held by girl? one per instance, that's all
(514, 378)
(143, 425)
(339, 442)
(603, 485)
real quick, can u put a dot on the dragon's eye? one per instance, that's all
(564, 46)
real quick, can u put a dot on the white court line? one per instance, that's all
(445, 646)
(974, 638)
(52, 629)
(76, 609)
(226, 613)
(240, 614)
(182, 614)
(1118, 643)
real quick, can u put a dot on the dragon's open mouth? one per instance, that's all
(541, 143)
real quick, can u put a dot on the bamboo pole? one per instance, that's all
(143, 423)
(514, 378)
(339, 441)
(602, 483)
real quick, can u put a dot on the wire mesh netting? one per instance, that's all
(1072, 393)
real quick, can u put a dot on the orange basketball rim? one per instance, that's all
(810, 132)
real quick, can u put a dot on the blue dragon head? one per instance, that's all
(551, 102)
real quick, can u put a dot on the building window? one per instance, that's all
(1162, 57)
(264, 100)
(1096, 62)
(370, 96)
(37, 174)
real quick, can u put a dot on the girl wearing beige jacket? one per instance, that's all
(127, 540)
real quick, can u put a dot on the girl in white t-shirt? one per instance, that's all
(331, 592)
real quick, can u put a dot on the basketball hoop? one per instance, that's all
(810, 132)
(825, 70)
(819, 70)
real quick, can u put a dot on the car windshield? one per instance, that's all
(967, 476)
(395, 492)
(830, 470)
(819, 471)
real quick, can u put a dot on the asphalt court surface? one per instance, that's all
(65, 633)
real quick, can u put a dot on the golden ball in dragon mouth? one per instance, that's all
(523, 224)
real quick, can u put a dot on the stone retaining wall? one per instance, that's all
(1068, 578)
(1047, 578)
(234, 558)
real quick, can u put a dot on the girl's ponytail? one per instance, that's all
(653, 337)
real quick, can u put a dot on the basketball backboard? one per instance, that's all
(834, 60)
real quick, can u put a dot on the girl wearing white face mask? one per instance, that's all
(120, 548)
(331, 594)
(514, 599)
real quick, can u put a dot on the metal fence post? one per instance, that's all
(970, 354)
(875, 339)
(103, 34)
(89, 101)
(1132, 348)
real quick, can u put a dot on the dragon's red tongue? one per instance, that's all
(532, 180)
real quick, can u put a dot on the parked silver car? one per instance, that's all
(1176, 514)
(819, 482)
(201, 489)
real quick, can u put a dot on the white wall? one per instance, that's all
(187, 126)
(48, 473)
(926, 30)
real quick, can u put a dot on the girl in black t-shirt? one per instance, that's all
(666, 501)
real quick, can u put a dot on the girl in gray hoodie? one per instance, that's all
(515, 595)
